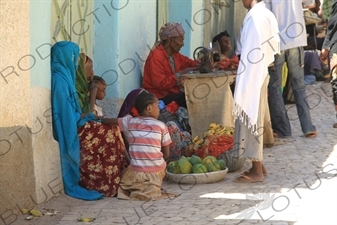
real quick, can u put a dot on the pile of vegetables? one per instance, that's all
(216, 140)
(195, 164)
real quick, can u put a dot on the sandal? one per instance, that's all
(245, 179)
(311, 134)
(247, 171)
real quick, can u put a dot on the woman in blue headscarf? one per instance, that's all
(92, 154)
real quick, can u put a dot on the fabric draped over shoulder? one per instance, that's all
(82, 86)
(257, 47)
(129, 102)
(66, 114)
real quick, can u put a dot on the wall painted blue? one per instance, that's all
(122, 42)
(181, 12)
(106, 38)
(137, 35)
(190, 13)
(40, 75)
(197, 24)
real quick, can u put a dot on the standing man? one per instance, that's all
(292, 34)
(330, 48)
(257, 44)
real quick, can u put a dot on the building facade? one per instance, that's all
(116, 34)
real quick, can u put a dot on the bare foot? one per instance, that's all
(254, 175)
(249, 177)
(264, 170)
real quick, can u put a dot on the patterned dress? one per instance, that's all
(102, 157)
(180, 140)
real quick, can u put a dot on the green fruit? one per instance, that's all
(199, 168)
(195, 160)
(35, 213)
(208, 159)
(212, 167)
(170, 167)
(184, 166)
(222, 164)
(176, 168)
(183, 158)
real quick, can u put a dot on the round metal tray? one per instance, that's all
(197, 178)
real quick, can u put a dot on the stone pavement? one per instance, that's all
(300, 188)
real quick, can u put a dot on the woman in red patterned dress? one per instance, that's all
(102, 148)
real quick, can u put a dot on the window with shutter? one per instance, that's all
(73, 20)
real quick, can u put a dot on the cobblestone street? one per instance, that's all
(300, 188)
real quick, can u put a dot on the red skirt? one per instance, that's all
(102, 157)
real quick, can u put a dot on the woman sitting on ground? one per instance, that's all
(165, 65)
(225, 62)
(92, 154)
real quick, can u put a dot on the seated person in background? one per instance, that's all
(149, 142)
(165, 65)
(225, 62)
(312, 66)
(97, 87)
(314, 42)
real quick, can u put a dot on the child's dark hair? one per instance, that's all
(143, 100)
(98, 79)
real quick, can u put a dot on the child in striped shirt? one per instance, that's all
(149, 142)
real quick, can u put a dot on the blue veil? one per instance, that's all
(66, 116)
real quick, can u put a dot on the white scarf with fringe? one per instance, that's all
(257, 44)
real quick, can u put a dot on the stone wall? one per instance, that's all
(29, 156)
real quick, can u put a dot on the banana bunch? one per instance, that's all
(83, 219)
(214, 129)
(218, 130)
(197, 140)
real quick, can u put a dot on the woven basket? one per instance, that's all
(197, 178)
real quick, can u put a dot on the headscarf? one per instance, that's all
(66, 114)
(168, 30)
(129, 102)
(82, 86)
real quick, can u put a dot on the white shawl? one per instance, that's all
(257, 44)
